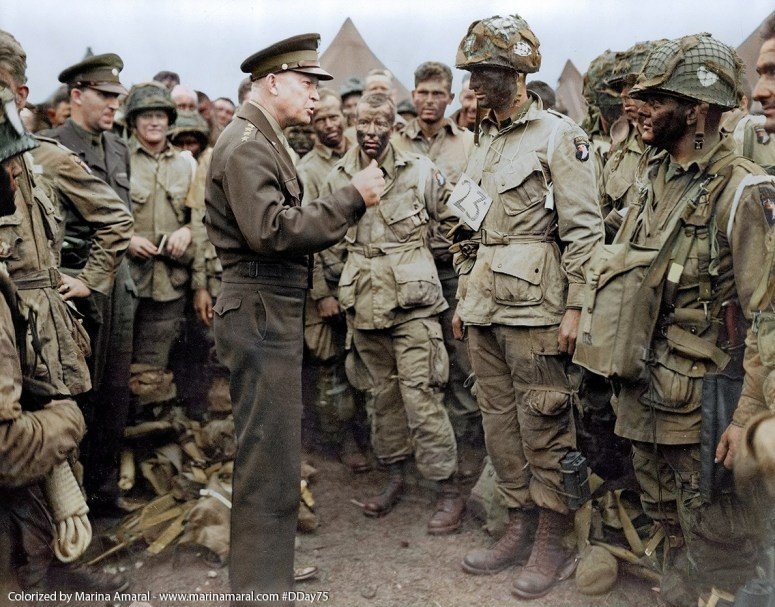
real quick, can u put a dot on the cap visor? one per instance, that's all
(110, 87)
(315, 71)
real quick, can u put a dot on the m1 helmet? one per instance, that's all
(697, 67)
(148, 96)
(506, 42)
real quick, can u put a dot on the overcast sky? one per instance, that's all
(206, 40)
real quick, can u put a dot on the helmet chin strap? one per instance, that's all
(477, 122)
(699, 132)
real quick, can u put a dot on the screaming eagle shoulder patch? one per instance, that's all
(582, 148)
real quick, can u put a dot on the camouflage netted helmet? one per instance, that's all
(502, 42)
(190, 122)
(697, 67)
(148, 96)
(628, 63)
(13, 138)
(597, 90)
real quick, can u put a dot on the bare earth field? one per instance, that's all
(364, 562)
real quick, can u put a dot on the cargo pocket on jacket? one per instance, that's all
(10, 237)
(417, 284)
(676, 382)
(80, 336)
(523, 186)
(765, 338)
(347, 284)
(404, 215)
(517, 275)
(439, 359)
(178, 275)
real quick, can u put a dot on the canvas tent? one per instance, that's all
(569, 97)
(749, 52)
(349, 55)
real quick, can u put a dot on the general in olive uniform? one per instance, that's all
(392, 294)
(521, 296)
(264, 237)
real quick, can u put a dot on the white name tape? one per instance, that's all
(469, 202)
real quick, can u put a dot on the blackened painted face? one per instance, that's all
(496, 88)
(373, 127)
(663, 120)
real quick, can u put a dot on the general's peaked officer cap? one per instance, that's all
(97, 72)
(297, 54)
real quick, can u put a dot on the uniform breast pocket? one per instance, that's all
(122, 181)
(139, 194)
(404, 215)
(522, 184)
(517, 275)
(10, 236)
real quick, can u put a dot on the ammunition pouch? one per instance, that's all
(575, 479)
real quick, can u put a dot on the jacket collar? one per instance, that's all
(414, 131)
(520, 116)
(260, 118)
(701, 164)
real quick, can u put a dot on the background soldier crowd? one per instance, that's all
(615, 298)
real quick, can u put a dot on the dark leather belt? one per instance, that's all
(277, 273)
(42, 279)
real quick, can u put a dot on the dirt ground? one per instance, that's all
(364, 562)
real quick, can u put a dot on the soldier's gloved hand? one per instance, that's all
(370, 183)
(203, 306)
(328, 307)
(459, 233)
(727, 446)
(178, 242)
(73, 287)
(142, 248)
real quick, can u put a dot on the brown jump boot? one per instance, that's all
(549, 561)
(381, 504)
(512, 549)
(450, 506)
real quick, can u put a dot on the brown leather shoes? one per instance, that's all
(381, 504)
(448, 515)
(550, 562)
(512, 549)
